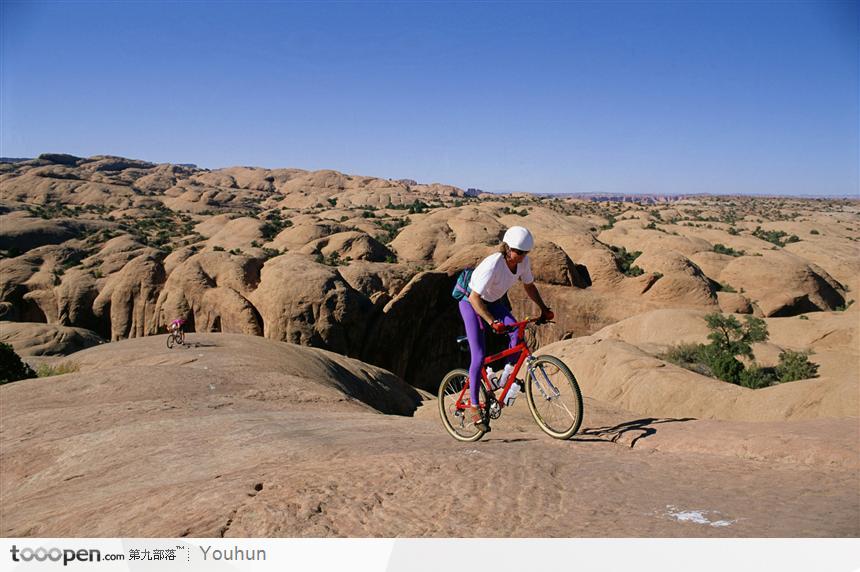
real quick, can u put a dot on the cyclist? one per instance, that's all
(485, 302)
(175, 325)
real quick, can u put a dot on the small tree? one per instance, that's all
(729, 339)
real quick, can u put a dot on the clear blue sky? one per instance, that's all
(668, 97)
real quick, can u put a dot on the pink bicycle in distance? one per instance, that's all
(552, 393)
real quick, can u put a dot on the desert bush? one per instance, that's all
(12, 367)
(728, 250)
(270, 253)
(813, 231)
(724, 365)
(274, 225)
(391, 228)
(332, 259)
(46, 370)
(728, 339)
(510, 211)
(795, 365)
(625, 261)
(720, 287)
(610, 222)
(757, 377)
(683, 354)
(777, 237)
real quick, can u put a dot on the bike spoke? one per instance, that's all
(555, 399)
(457, 421)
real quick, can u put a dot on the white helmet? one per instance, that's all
(519, 237)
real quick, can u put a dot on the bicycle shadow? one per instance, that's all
(188, 344)
(615, 433)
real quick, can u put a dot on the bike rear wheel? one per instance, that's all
(180, 337)
(554, 398)
(456, 421)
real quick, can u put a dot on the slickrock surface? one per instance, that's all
(242, 436)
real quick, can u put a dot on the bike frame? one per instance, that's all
(524, 355)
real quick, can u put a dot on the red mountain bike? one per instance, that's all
(552, 393)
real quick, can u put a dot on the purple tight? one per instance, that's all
(475, 332)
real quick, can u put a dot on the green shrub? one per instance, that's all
(625, 260)
(776, 237)
(723, 249)
(756, 377)
(683, 354)
(813, 231)
(795, 365)
(46, 370)
(391, 229)
(270, 253)
(610, 222)
(12, 367)
(724, 365)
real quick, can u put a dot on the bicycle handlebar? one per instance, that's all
(523, 324)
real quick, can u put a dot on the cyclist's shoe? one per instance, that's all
(476, 418)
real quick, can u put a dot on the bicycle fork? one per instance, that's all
(553, 390)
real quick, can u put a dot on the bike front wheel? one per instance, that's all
(554, 398)
(457, 420)
(170, 341)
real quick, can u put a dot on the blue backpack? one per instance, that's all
(461, 288)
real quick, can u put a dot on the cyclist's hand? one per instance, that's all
(546, 316)
(499, 327)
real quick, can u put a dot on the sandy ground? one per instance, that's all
(120, 449)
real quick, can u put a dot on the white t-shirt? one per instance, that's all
(492, 278)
